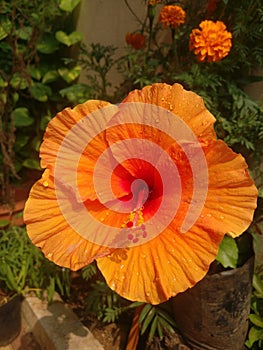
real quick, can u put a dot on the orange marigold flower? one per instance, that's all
(136, 40)
(145, 188)
(212, 43)
(172, 16)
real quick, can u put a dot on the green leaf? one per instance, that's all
(4, 223)
(3, 83)
(76, 93)
(18, 82)
(48, 45)
(228, 252)
(151, 314)
(88, 271)
(160, 330)
(50, 76)
(35, 72)
(166, 325)
(69, 75)
(153, 328)
(51, 289)
(68, 5)
(21, 141)
(135, 304)
(41, 92)
(256, 320)
(70, 39)
(22, 117)
(5, 28)
(44, 122)
(258, 285)
(254, 335)
(24, 33)
(144, 312)
(31, 164)
(163, 314)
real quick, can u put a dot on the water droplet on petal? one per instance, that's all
(122, 266)
(148, 294)
(113, 286)
(45, 183)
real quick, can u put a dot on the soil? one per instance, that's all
(113, 336)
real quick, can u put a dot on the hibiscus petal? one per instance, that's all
(60, 125)
(232, 195)
(48, 229)
(185, 104)
(167, 265)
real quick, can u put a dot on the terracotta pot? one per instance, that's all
(213, 315)
(10, 320)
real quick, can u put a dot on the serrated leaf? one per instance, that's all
(22, 117)
(70, 39)
(228, 252)
(68, 5)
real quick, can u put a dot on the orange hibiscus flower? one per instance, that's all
(136, 40)
(145, 188)
(172, 16)
(212, 43)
